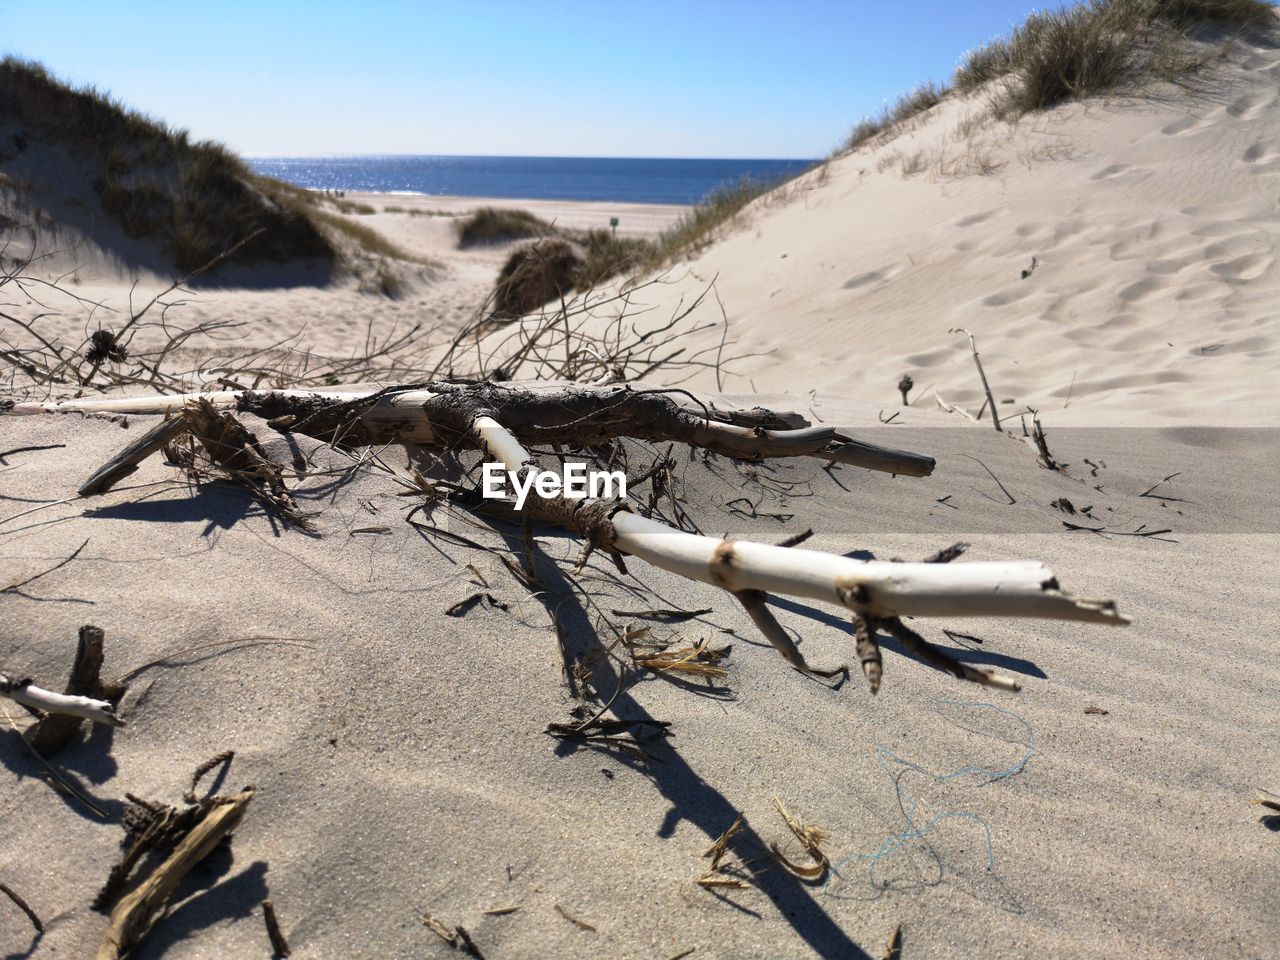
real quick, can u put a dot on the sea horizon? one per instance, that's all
(657, 180)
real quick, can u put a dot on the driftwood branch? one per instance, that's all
(500, 420)
(135, 914)
(878, 589)
(55, 730)
(126, 461)
(534, 414)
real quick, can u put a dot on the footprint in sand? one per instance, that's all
(1264, 151)
(1250, 106)
(1130, 249)
(1045, 236)
(1143, 289)
(1172, 265)
(871, 276)
(1005, 297)
(1082, 335)
(974, 219)
(1110, 172)
(1182, 125)
(1236, 246)
(931, 358)
(1241, 269)
(1196, 292)
(1218, 228)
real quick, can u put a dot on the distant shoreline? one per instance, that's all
(560, 179)
(634, 219)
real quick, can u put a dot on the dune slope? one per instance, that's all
(1150, 220)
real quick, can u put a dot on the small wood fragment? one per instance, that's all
(54, 731)
(982, 375)
(467, 945)
(126, 461)
(867, 647)
(134, 916)
(893, 949)
(278, 943)
(1097, 711)
(440, 930)
(1265, 798)
(714, 880)
(753, 601)
(23, 691)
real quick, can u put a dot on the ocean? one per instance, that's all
(617, 180)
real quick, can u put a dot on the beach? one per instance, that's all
(1082, 302)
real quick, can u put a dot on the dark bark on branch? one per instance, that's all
(579, 416)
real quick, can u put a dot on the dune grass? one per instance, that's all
(909, 105)
(193, 200)
(309, 204)
(491, 225)
(699, 226)
(1073, 53)
(1082, 51)
(582, 259)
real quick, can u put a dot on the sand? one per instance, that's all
(399, 753)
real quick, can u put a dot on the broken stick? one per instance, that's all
(136, 913)
(37, 698)
(982, 375)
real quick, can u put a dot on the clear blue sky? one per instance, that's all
(538, 77)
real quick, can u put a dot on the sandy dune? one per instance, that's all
(399, 753)
(1152, 223)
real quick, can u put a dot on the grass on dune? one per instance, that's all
(563, 260)
(1074, 53)
(699, 226)
(489, 225)
(192, 199)
(1081, 51)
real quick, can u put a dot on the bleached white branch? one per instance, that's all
(1019, 588)
(29, 695)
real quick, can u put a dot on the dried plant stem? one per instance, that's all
(982, 375)
(279, 945)
(22, 905)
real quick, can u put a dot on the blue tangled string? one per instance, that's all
(892, 844)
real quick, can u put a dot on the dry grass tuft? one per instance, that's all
(1081, 51)
(493, 225)
(913, 163)
(908, 106)
(811, 839)
(193, 200)
(701, 225)
(538, 273)
(699, 659)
